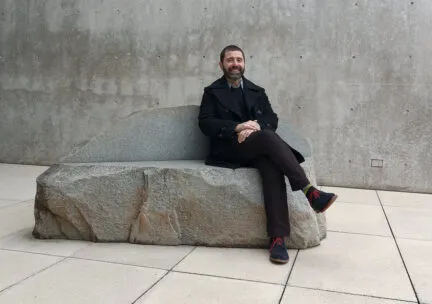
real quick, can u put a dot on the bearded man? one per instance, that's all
(237, 117)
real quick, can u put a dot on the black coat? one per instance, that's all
(219, 116)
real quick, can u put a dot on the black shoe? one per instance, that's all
(278, 252)
(320, 201)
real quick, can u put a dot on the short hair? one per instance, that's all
(230, 48)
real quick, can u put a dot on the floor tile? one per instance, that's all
(310, 296)
(16, 217)
(16, 266)
(348, 195)
(164, 257)
(357, 218)
(410, 223)
(8, 202)
(246, 264)
(80, 281)
(405, 199)
(24, 241)
(182, 288)
(354, 263)
(417, 256)
(18, 182)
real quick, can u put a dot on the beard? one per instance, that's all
(233, 74)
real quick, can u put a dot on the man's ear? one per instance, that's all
(221, 65)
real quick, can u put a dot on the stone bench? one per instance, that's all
(145, 182)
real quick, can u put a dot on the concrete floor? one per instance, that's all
(378, 250)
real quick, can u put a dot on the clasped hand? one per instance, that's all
(245, 129)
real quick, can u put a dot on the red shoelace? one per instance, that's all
(314, 194)
(276, 241)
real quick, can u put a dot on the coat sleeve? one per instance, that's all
(268, 119)
(209, 122)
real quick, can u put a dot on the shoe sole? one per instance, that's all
(278, 261)
(329, 203)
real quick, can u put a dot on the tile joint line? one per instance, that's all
(155, 283)
(289, 275)
(350, 293)
(397, 246)
(33, 274)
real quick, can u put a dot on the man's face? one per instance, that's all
(233, 65)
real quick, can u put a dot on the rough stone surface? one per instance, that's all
(161, 134)
(145, 188)
(145, 135)
(166, 202)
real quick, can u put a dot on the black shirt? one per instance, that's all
(237, 97)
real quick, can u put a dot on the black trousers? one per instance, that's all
(272, 156)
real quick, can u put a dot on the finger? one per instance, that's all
(245, 135)
(252, 126)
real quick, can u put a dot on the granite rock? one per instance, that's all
(155, 134)
(161, 134)
(165, 202)
(144, 181)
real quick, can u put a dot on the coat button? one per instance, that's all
(226, 110)
(220, 135)
(259, 112)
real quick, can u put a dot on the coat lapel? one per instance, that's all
(223, 94)
(251, 94)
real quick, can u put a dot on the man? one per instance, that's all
(238, 118)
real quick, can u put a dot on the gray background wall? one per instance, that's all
(353, 76)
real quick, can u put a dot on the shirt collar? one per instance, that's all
(241, 84)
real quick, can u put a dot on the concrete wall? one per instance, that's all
(354, 76)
